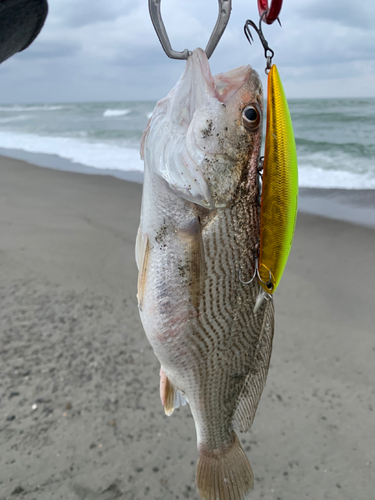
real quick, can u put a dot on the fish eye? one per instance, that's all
(251, 116)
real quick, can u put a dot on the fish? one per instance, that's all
(199, 225)
(279, 188)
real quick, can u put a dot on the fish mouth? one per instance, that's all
(204, 85)
(197, 84)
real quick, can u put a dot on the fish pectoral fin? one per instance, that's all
(142, 251)
(171, 398)
(255, 381)
(193, 269)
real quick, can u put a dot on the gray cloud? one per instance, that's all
(80, 13)
(348, 13)
(50, 50)
(108, 50)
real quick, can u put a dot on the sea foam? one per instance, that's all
(45, 107)
(313, 177)
(115, 112)
(93, 154)
(108, 156)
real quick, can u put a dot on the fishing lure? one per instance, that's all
(279, 187)
(279, 199)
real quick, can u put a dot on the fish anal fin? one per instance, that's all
(256, 379)
(171, 398)
(224, 473)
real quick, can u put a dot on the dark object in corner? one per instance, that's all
(20, 23)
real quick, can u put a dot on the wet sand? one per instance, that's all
(80, 416)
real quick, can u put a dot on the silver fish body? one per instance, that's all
(199, 225)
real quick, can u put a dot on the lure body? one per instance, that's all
(279, 188)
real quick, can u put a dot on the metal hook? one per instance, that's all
(260, 165)
(269, 283)
(272, 13)
(225, 7)
(256, 259)
(255, 273)
(268, 52)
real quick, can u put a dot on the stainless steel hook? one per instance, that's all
(225, 7)
(256, 273)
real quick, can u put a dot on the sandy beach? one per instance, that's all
(80, 415)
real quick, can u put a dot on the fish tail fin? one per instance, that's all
(224, 474)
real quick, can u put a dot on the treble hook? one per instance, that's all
(269, 283)
(268, 52)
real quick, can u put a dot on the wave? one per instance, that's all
(315, 177)
(10, 119)
(340, 119)
(351, 148)
(32, 108)
(92, 154)
(116, 112)
(318, 170)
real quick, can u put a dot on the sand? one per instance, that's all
(80, 416)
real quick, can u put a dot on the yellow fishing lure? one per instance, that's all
(279, 187)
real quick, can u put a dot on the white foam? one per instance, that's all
(339, 170)
(97, 155)
(111, 156)
(46, 107)
(316, 177)
(116, 112)
(149, 115)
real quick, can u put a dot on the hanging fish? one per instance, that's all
(199, 223)
(279, 187)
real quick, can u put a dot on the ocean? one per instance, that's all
(335, 138)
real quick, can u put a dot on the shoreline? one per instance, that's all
(80, 410)
(356, 206)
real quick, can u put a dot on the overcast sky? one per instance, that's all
(107, 50)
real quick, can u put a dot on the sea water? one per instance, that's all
(335, 137)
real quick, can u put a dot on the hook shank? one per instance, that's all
(268, 52)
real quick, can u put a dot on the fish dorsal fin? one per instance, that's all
(255, 382)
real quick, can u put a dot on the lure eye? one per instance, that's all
(251, 117)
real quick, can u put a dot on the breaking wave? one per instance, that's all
(116, 112)
(93, 154)
(32, 108)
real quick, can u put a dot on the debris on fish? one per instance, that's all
(199, 225)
